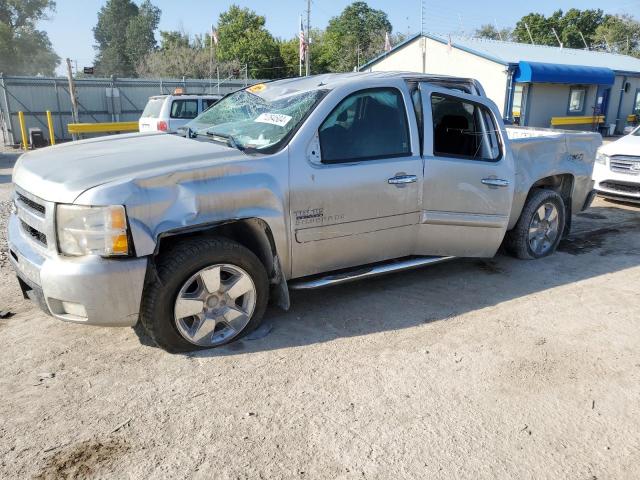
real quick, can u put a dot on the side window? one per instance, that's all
(207, 102)
(185, 109)
(367, 125)
(463, 129)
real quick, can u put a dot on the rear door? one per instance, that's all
(181, 111)
(468, 176)
(149, 118)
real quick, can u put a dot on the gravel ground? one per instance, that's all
(473, 369)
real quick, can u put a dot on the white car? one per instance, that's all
(617, 168)
(167, 113)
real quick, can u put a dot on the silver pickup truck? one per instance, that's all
(297, 183)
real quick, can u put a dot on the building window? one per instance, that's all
(577, 96)
(636, 103)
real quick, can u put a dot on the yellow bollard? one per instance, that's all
(52, 133)
(23, 131)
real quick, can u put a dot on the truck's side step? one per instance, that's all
(368, 271)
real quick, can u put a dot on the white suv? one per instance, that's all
(617, 169)
(167, 113)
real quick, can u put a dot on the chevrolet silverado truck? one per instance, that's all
(298, 183)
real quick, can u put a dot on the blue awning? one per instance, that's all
(536, 72)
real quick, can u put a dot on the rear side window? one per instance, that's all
(185, 109)
(207, 102)
(367, 125)
(153, 107)
(464, 130)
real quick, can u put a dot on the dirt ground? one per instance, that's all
(472, 369)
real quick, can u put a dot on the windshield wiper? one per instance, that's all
(225, 137)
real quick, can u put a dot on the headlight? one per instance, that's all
(92, 230)
(601, 158)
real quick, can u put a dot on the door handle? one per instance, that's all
(402, 179)
(495, 182)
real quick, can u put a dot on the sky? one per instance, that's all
(70, 27)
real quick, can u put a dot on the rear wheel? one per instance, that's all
(209, 292)
(540, 227)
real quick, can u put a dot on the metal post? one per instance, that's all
(307, 57)
(52, 135)
(72, 94)
(6, 103)
(23, 131)
(60, 122)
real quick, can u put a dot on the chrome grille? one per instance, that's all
(36, 218)
(35, 206)
(33, 233)
(625, 164)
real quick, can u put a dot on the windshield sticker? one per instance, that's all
(278, 119)
(258, 87)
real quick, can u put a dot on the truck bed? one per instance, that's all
(544, 152)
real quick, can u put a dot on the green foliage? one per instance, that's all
(244, 38)
(619, 33)
(24, 50)
(124, 34)
(490, 32)
(567, 25)
(173, 39)
(354, 37)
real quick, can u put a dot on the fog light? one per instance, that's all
(74, 309)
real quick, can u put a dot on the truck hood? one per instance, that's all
(627, 145)
(61, 173)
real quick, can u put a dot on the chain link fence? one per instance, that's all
(99, 100)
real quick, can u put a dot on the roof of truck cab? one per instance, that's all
(333, 80)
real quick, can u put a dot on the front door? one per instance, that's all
(468, 175)
(355, 196)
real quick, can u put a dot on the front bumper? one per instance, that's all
(623, 186)
(90, 290)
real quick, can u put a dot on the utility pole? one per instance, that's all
(308, 52)
(583, 40)
(72, 94)
(529, 32)
(423, 41)
(557, 37)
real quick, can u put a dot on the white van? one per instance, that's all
(166, 113)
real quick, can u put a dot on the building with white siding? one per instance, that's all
(532, 85)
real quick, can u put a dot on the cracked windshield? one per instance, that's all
(257, 117)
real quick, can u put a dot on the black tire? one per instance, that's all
(175, 267)
(516, 241)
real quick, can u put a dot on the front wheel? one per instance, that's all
(540, 227)
(209, 292)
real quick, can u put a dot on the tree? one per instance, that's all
(620, 34)
(24, 50)
(541, 29)
(243, 38)
(490, 32)
(354, 37)
(180, 56)
(124, 34)
(570, 27)
(576, 22)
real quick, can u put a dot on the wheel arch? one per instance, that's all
(563, 184)
(252, 233)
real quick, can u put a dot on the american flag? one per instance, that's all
(303, 43)
(214, 35)
(387, 42)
